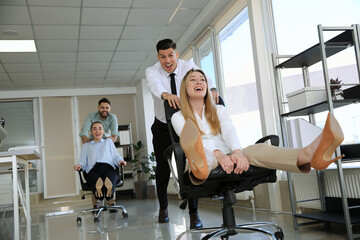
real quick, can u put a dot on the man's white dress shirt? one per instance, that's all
(158, 81)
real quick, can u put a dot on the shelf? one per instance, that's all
(313, 54)
(330, 217)
(320, 107)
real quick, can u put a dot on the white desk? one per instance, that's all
(19, 157)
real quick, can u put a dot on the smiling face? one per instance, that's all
(97, 131)
(167, 59)
(104, 110)
(196, 86)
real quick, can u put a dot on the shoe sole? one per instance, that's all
(108, 185)
(99, 184)
(191, 142)
(327, 147)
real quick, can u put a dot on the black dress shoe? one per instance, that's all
(163, 216)
(195, 221)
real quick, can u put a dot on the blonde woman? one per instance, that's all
(209, 138)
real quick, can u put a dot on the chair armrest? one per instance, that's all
(179, 159)
(274, 139)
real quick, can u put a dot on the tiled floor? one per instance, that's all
(57, 221)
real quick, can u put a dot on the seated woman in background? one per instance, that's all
(209, 138)
(99, 159)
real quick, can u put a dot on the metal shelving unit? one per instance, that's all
(319, 53)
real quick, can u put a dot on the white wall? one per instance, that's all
(144, 114)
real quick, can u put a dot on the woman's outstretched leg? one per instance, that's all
(191, 142)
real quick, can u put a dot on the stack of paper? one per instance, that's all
(124, 137)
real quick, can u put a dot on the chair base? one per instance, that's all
(226, 232)
(98, 211)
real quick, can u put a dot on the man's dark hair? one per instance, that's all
(104, 100)
(165, 44)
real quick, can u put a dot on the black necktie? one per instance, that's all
(173, 85)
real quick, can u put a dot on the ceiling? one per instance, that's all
(94, 43)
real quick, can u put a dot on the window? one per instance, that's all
(296, 30)
(206, 58)
(19, 123)
(239, 78)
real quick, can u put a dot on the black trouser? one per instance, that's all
(161, 140)
(101, 170)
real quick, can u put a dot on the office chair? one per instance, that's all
(220, 185)
(86, 188)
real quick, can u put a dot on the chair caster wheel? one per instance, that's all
(279, 235)
(78, 220)
(96, 220)
(125, 215)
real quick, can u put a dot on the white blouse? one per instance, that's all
(226, 141)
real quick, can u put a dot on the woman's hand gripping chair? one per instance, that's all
(86, 188)
(220, 185)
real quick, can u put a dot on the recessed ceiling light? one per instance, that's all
(10, 32)
(17, 46)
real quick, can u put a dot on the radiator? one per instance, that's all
(305, 186)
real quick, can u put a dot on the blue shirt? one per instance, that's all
(110, 124)
(103, 151)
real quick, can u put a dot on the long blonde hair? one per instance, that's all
(210, 108)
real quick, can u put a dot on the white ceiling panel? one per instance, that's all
(97, 45)
(149, 17)
(89, 80)
(126, 73)
(184, 17)
(136, 45)
(58, 67)
(104, 16)
(14, 15)
(173, 32)
(91, 74)
(13, 2)
(59, 75)
(60, 82)
(22, 67)
(130, 56)
(124, 65)
(194, 4)
(123, 79)
(54, 57)
(56, 45)
(55, 15)
(100, 32)
(1, 69)
(107, 3)
(19, 57)
(170, 4)
(94, 56)
(26, 76)
(4, 77)
(56, 32)
(24, 32)
(92, 66)
(62, 3)
(148, 32)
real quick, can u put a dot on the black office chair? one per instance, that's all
(86, 188)
(220, 185)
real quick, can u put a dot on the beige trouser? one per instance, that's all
(267, 156)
